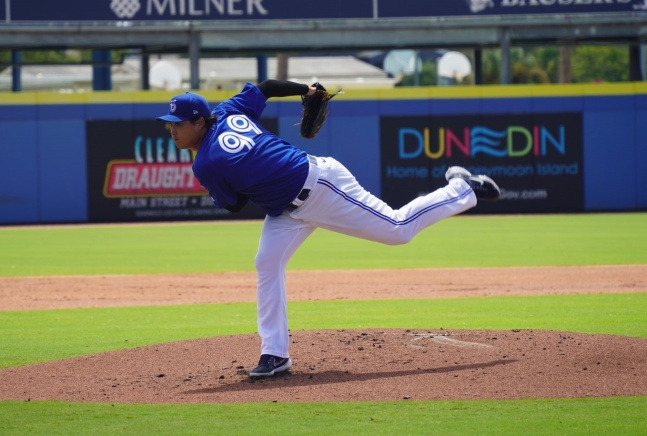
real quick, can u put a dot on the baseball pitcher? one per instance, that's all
(237, 161)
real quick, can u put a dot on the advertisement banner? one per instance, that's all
(536, 159)
(183, 10)
(417, 8)
(136, 173)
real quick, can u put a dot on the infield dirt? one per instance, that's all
(338, 365)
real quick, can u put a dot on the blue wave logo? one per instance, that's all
(488, 141)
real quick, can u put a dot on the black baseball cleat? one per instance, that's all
(270, 365)
(484, 187)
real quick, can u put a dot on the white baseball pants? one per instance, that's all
(337, 202)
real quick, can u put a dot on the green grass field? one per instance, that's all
(466, 241)
(479, 241)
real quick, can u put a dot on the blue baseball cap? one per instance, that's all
(186, 106)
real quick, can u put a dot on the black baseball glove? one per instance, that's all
(315, 110)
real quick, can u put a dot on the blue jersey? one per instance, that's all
(238, 156)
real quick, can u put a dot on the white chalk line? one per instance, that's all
(445, 340)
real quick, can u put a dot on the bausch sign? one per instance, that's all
(417, 8)
(155, 10)
(555, 6)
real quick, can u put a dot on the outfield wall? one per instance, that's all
(100, 157)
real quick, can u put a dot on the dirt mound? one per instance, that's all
(348, 365)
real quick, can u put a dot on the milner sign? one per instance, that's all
(161, 10)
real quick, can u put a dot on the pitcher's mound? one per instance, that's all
(348, 365)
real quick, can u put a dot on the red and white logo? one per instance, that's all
(128, 178)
